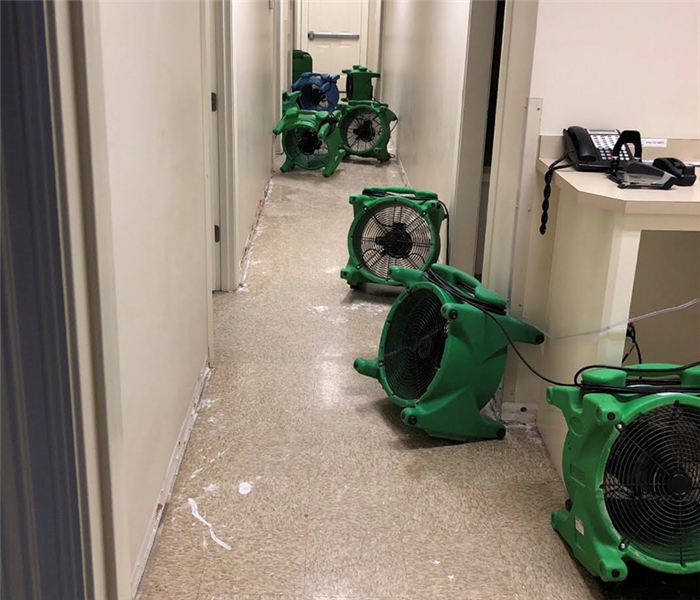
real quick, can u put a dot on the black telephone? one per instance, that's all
(586, 150)
(592, 149)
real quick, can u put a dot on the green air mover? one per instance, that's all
(443, 352)
(310, 140)
(301, 63)
(358, 83)
(632, 470)
(393, 227)
(365, 128)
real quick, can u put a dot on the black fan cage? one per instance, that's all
(305, 148)
(392, 234)
(312, 95)
(361, 129)
(414, 344)
(652, 484)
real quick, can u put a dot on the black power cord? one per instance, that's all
(632, 335)
(447, 225)
(641, 387)
(547, 192)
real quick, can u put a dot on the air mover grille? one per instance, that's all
(312, 95)
(652, 483)
(392, 234)
(305, 148)
(362, 130)
(415, 342)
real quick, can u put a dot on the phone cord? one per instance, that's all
(547, 192)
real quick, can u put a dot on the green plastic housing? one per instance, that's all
(472, 365)
(358, 83)
(323, 124)
(593, 420)
(301, 63)
(386, 116)
(289, 100)
(355, 272)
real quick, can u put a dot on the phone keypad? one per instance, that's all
(605, 142)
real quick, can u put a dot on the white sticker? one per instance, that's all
(655, 142)
(579, 526)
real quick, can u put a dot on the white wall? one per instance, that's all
(436, 67)
(154, 106)
(624, 65)
(254, 116)
(423, 58)
(667, 275)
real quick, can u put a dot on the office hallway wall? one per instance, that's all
(300, 481)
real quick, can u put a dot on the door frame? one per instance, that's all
(229, 277)
(472, 135)
(515, 143)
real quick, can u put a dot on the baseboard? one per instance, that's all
(253, 235)
(169, 480)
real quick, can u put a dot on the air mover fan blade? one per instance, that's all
(362, 131)
(655, 463)
(398, 233)
(415, 342)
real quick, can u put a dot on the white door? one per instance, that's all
(334, 32)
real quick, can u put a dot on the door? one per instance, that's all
(335, 34)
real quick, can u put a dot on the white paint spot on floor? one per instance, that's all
(196, 515)
(196, 472)
(211, 420)
(245, 487)
(374, 308)
(319, 309)
(207, 403)
(212, 487)
(435, 562)
(451, 577)
(338, 320)
(259, 477)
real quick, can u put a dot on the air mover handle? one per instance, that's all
(689, 376)
(373, 191)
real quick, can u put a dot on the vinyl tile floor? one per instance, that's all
(300, 482)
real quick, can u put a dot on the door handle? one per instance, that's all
(333, 36)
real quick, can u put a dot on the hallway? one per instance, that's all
(300, 481)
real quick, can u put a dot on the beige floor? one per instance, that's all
(311, 484)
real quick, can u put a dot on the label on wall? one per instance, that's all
(654, 142)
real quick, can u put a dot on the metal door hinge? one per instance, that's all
(214, 103)
(217, 233)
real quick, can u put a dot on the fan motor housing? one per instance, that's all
(403, 223)
(365, 128)
(310, 140)
(467, 368)
(624, 497)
